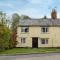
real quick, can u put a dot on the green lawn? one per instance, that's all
(30, 50)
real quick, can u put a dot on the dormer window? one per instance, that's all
(24, 29)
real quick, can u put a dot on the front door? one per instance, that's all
(34, 42)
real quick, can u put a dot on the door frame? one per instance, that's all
(34, 42)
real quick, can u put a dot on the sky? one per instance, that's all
(32, 8)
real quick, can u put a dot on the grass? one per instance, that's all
(30, 50)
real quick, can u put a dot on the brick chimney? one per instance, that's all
(54, 14)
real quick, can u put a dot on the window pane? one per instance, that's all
(43, 29)
(46, 29)
(22, 29)
(26, 29)
(42, 41)
(23, 40)
(46, 42)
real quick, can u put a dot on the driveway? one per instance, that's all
(48, 56)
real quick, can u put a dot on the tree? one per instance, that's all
(15, 21)
(5, 33)
(3, 18)
(4, 37)
(45, 17)
(25, 17)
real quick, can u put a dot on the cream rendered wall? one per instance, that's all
(53, 37)
(26, 35)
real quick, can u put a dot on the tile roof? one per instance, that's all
(40, 22)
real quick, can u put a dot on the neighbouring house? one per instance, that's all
(36, 33)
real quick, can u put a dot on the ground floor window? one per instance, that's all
(44, 41)
(23, 40)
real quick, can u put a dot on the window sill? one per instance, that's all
(44, 44)
(45, 33)
(24, 32)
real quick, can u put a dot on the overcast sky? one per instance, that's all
(32, 8)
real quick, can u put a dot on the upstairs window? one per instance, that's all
(44, 29)
(24, 29)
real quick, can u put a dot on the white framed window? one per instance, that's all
(44, 29)
(44, 41)
(23, 40)
(24, 29)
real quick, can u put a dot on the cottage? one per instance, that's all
(36, 33)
